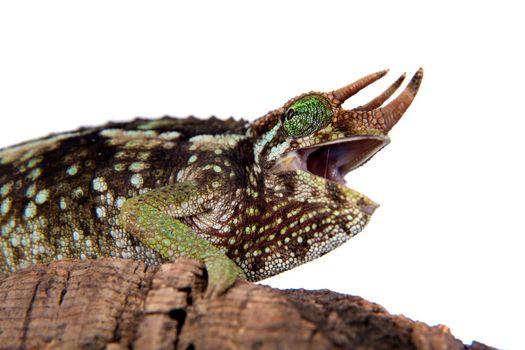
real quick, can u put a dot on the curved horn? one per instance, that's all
(393, 111)
(345, 92)
(379, 100)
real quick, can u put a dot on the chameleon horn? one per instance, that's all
(345, 92)
(379, 100)
(393, 111)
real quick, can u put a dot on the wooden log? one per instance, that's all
(122, 304)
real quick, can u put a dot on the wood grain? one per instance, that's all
(122, 304)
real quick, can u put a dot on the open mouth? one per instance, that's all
(333, 160)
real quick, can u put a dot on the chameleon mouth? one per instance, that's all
(333, 160)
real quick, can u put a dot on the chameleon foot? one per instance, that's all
(222, 274)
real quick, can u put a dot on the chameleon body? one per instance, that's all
(250, 200)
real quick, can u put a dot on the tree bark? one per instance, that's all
(121, 304)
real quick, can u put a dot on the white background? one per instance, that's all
(446, 245)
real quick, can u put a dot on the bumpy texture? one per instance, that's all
(127, 305)
(152, 190)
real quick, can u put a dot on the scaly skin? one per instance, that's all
(248, 200)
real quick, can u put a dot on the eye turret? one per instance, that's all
(307, 115)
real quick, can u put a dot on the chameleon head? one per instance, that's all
(313, 133)
(311, 143)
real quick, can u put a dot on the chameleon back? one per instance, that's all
(60, 196)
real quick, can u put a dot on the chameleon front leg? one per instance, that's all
(153, 218)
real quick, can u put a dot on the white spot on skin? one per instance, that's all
(5, 232)
(42, 196)
(23, 242)
(168, 145)
(5, 189)
(62, 204)
(99, 184)
(76, 235)
(217, 168)
(72, 170)
(278, 150)
(109, 198)
(137, 180)
(120, 155)
(127, 133)
(170, 135)
(101, 212)
(33, 162)
(132, 138)
(212, 142)
(35, 173)
(6, 206)
(136, 166)
(192, 159)
(31, 190)
(119, 202)
(30, 210)
(143, 155)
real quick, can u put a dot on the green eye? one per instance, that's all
(307, 115)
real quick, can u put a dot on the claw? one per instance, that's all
(345, 92)
(379, 100)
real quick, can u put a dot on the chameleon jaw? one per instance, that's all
(334, 159)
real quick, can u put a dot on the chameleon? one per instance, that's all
(248, 200)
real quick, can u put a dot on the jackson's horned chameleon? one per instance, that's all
(249, 200)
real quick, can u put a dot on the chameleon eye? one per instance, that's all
(307, 115)
(289, 114)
